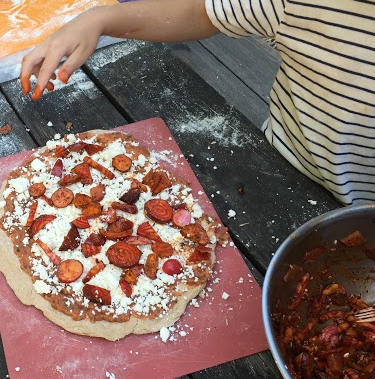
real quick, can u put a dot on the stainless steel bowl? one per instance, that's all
(351, 268)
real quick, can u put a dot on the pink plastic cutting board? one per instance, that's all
(217, 331)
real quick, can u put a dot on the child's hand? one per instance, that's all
(77, 40)
(153, 20)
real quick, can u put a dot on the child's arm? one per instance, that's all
(151, 20)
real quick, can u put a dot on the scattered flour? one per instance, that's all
(165, 155)
(115, 52)
(10, 66)
(110, 375)
(11, 144)
(219, 127)
(79, 78)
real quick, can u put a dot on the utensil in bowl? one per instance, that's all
(365, 315)
(350, 267)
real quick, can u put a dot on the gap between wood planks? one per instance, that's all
(101, 87)
(233, 73)
(18, 115)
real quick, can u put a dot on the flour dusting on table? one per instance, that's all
(11, 144)
(112, 54)
(81, 82)
(220, 128)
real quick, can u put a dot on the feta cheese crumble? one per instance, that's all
(231, 213)
(164, 334)
(224, 296)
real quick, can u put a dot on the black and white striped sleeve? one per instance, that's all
(241, 18)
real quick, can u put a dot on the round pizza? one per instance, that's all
(102, 239)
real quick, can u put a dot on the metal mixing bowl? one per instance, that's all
(350, 268)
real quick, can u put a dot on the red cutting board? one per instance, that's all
(217, 331)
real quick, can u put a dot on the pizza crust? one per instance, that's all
(22, 285)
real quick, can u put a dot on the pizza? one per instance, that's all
(103, 239)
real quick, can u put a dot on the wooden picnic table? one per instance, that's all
(213, 95)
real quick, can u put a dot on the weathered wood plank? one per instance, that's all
(240, 70)
(223, 80)
(258, 366)
(79, 102)
(3, 366)
(231, 158)
(251, 59)
(18, 139)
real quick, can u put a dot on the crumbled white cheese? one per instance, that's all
(7, 192)
(110, 151)
(41, 287)
(224, 296)
(231, 213)
(71, 138)
(194, 303)
(51, 145)
(108, 278)
(38, 165)
(197, 211)
(59, 369)
(164, 334)
(19, 184)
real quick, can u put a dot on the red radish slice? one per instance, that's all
(181, 218)
(159, 210)
(58, 168)
(71, 240)
(172, 267)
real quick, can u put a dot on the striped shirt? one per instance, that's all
(322, 103)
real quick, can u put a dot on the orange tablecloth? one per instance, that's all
(25, 23)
